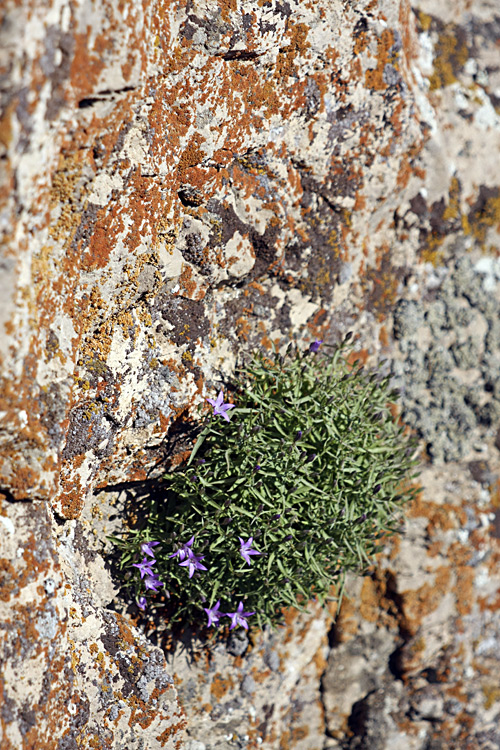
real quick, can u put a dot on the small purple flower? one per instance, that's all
(193, 563)
(142, 602)
(146, 548)
(145, 568)
(238, 617)
(246, 549)
(314, 347)
(220, 408)
(184, 551)
(153, 583)
(213, 614)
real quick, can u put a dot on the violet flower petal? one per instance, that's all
(146, 548)
(213, 614)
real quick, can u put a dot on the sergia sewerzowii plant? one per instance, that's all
(287, 488)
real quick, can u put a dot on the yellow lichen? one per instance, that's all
(450, 56)
(491, 695)
(452, 210)
(480, 221)
(424, 21)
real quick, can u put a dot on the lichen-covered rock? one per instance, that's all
(449, 363)
(73, 674)
(184, 181)
(266, 694)
(187, 178)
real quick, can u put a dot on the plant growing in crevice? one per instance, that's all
(281, 496)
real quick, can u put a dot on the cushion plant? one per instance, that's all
(285, 491)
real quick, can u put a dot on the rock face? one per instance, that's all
(74, 674)
(185, 181)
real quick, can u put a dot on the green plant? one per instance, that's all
(281, 497)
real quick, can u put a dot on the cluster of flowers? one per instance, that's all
(152, 582)
(188, 559)
(185, 554)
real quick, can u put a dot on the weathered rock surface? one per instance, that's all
(73, 673)
(184, 181)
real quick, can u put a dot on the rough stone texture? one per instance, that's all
(449, 358)
(184, 181)
(74, 675)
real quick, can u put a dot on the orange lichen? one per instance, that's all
(220, 685)
(286, 63)
(299, 733)
(189, 286)
(418, 603)
(243, 328)
(374, 77)
(192, 154)
(7, 579)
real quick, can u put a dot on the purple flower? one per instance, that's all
(184, 551)
(146, 548)
(213, 614)
(142, 602)
(238, 617)
(314, 347)
(153, 582)
(246, 549)
(145, 568)
(193, 563)
(220, 408)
